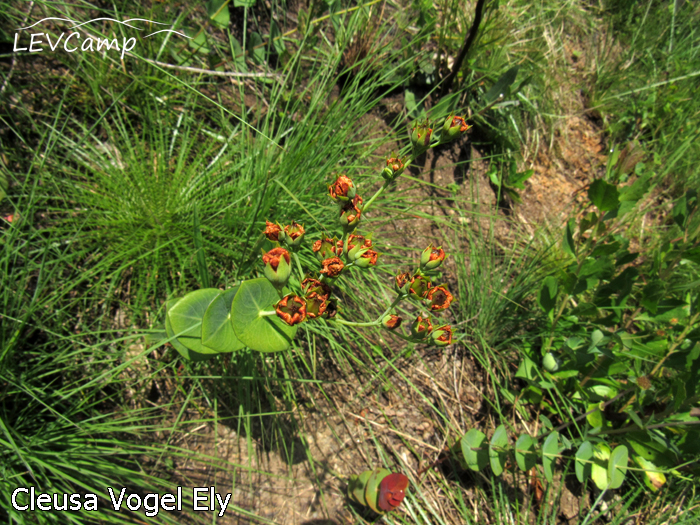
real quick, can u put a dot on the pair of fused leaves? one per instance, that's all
(605, 468)
(378, 489)
(209, 321)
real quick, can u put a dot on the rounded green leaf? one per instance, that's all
(261, 333)
(583, 461)
(473, 449)
(186, 318)
(524, 452)
(175, 341)
(550, 452)
(599, 467)
(372, 489)
(617, 467)
(653, 477)
(357, 487)
(497, 450)
(217, 330)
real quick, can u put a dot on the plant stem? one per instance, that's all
(266, 313)
(376, 321)
(377, 194)
(351, 323)
(394, 303)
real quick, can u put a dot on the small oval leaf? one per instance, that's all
(525, 453)
(550, 452)
(617, 467)
(474, 450)
(599, 467)
(497, 450)
(583, 461)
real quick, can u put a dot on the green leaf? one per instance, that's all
(256, 48)
(501, 86)
(239, 56)
(605, 196)
(414, 109)
(198, 40)
(358, 484)
(524, 452)
(243, 3)
(473, 450)
(599, 471)
(264, 334)
(186, 318)
(569, 245)
(652, 477)
(497, 452)
(583, 458)
(550, 452)
(372, 488)
(617, 467)
(277, 39)
(175, 341)
(547, 297)
(527, 369)
(218, 12)
(217, 329)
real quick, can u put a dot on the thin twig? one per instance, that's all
(471, 36)
(210, 71)
(14, 53)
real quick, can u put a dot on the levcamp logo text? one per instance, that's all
(73, 41)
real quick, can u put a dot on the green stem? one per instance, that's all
(266, 313)
(351, 323)
(377, 194)
(391, 306)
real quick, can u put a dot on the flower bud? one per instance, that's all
(315, 305)
(550, 362)
(324, 248)
(419, 286)
(293, 234)
(291, 309)
(311, 286)
(332, 267)
(403, 283)
(453, 128)
(367, 258)
(394, 168)
(342, 190)
(350, 213)
(277, 266)
(420, 137)
(272, 231)
(391, 322)
(421, 327)
(442, 336)
(356, 246)
(431, 258)
(439, 298)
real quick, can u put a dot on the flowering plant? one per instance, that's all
(264, 313)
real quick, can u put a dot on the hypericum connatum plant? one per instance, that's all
(264, 314)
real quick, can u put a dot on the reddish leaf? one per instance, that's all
(391, 491)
